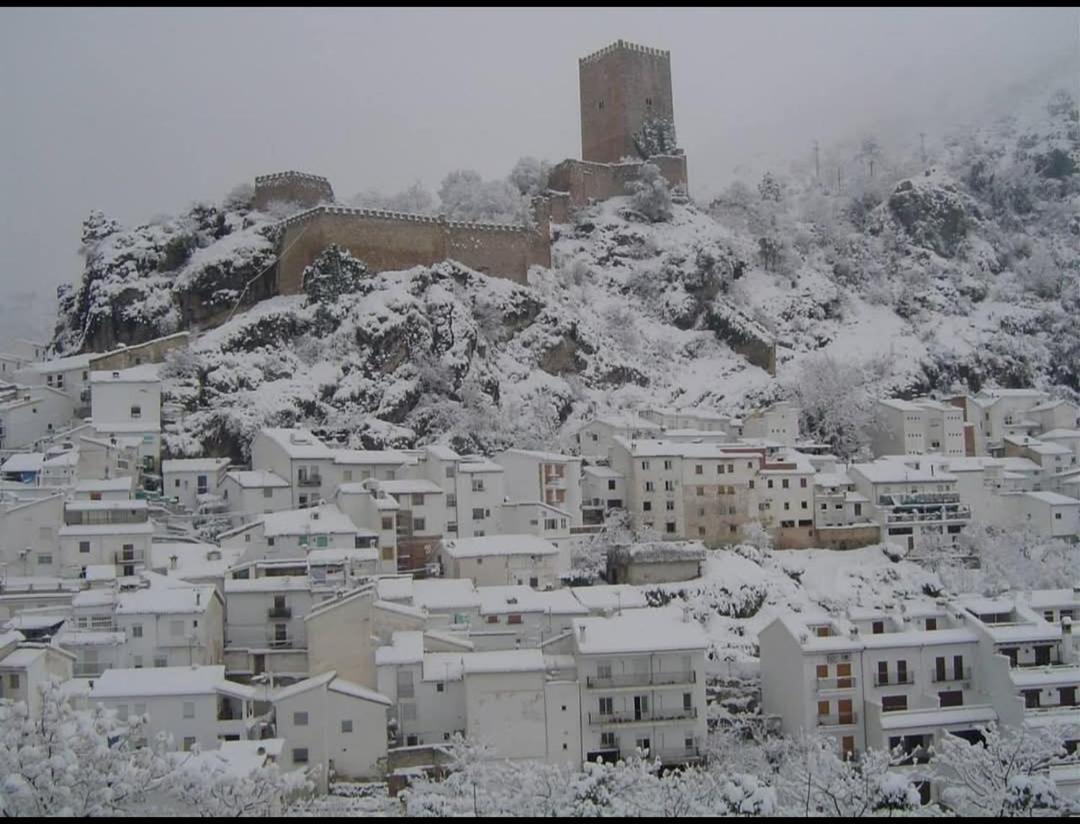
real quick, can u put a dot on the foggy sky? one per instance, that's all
(141, 112)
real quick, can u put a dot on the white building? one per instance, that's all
(294, 532)
(642, 685)
(127, 403)
(779, 422)
(602, 490)
(502, 559)
(29, 414)
(189, 478)
(104, 532)
(256, 491)
(265, 631)
(478, 498)
(69, 375)
(191, 704)
(29, 536)
(25, 667)
(911, 504)
(300, 458)
(918, 427)
(549, 477)
(842, 515)
(334, 724)
(597, 436)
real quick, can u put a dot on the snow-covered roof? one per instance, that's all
(323, 557)
(331, 681)
(194, 465)
(90, 638)
(268, 583)
(408, 486)
(658, 552)
(436, 594)
(1060, 434)
(638, 631)
(655, 448)
(1053, 498)
(106, 427)
(325, 518)
(31, 621)
(442, 452)
(470, 467)
(902, 405)
(161, 600)
(155, 681)
(146, 373)
(101, 572)
(520, 599)
(298, 443)
(142, 528)
(406, 647)
(894, 472)
(70, 458)
(495, 661)
(107, 485)
(22, 658)
(915, 637)
(1046, 406)
(610, 596)
(61, 364)
(491, 545)
(624, 422)
(549, 457)
(94, 598)
(394, 589)
(372, 457)
(832, 479)
(1053, 675)
(24, 462)
(400, 609)
(256, 478)
(601, 472)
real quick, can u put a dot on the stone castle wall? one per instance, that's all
(294, 187)
(388, 241)
(621, 87)
(153, 351)
(583, 181)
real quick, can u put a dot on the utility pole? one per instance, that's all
(817, 162)
(839, 186)
(922, 144)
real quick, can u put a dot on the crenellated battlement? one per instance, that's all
(406, 217)
(282, 176)
(625, 45)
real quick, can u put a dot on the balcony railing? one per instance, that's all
(837, 719)
(843, 682)
(88, 670)
(641, 679)
(922, 498)
(279, 612)
(885, 679)
(280, 643)
(950, 676)
(677, 755)
(960, 513)
(136, 556)
(647, 717)
(309, 480)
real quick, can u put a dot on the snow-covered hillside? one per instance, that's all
(914, 277)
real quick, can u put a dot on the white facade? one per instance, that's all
(191, 704)
(301, 459)
(502, 559)
(255, 492)
(29, 414)
(191, 477)
(24, 668)
(29, 535)
(547, 477)
(597, 436)
(335, 724)
(918, 427)
(68, 375)
(265, 629)
(779, 422)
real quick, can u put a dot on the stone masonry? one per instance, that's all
(292, 187)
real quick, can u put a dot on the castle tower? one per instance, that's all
(622, 87)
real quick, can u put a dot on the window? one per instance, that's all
(281, 632)
(268, 493)
(451, 501)
(931, 623)
(300, 755)
(451, 471)
(701, 531)
(270, 541)
(877, 627)
(161, 661)
(440, 687)
(751, 484)
(611, 484)
(478, 485)
(137, 665)
(513, 619)
(700, 491)
(600, 105)
(300, 719)
(669, 505)
(646, 506)
(405, 684)
(958, 667)
(770, 483)
(669, 527)
(802, 482)
(649, 486)
(606, 706)
(418, 499)
(493, 619)
(346, 725)
(669, 486)
(1031, 698)
(720, 469)
(687, 701)
(893, 703)
(644, 464)
(136, 411)
(303, 501)
(804, 505)
(478, 514)
(698, 470)
(189, 709)
(607, 741)
(13, 680)
(176, 483)
(136, 630)
(189, 742)
(787, 505)
(667, 464)
(45, 560)
(784, 483)
(201, 484)
(388, 523)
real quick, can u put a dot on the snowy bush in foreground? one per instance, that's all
(650, 194)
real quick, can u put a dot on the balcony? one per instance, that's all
(641, 679)
(678, 755)
(89, 670)
(555, 481)
(959, 513)
(647, 717)
(131, 556)
(838, 719)
(894, 679)
(309, 480)
(950, 676)
(279, 612)
(921, 498)
(846, 682)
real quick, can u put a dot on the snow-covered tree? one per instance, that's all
(415, 199)
(464, 195)
(530, 176)
(1006, 774)
(65, 762)
(835, 407)
(333, 274)
(205, 786)
(650, 194)
(1008, 559)
(655, 137)
(770, 188)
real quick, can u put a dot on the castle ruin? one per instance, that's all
(623, 87)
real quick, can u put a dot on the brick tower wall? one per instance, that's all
(621, 87)
(293, 187)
